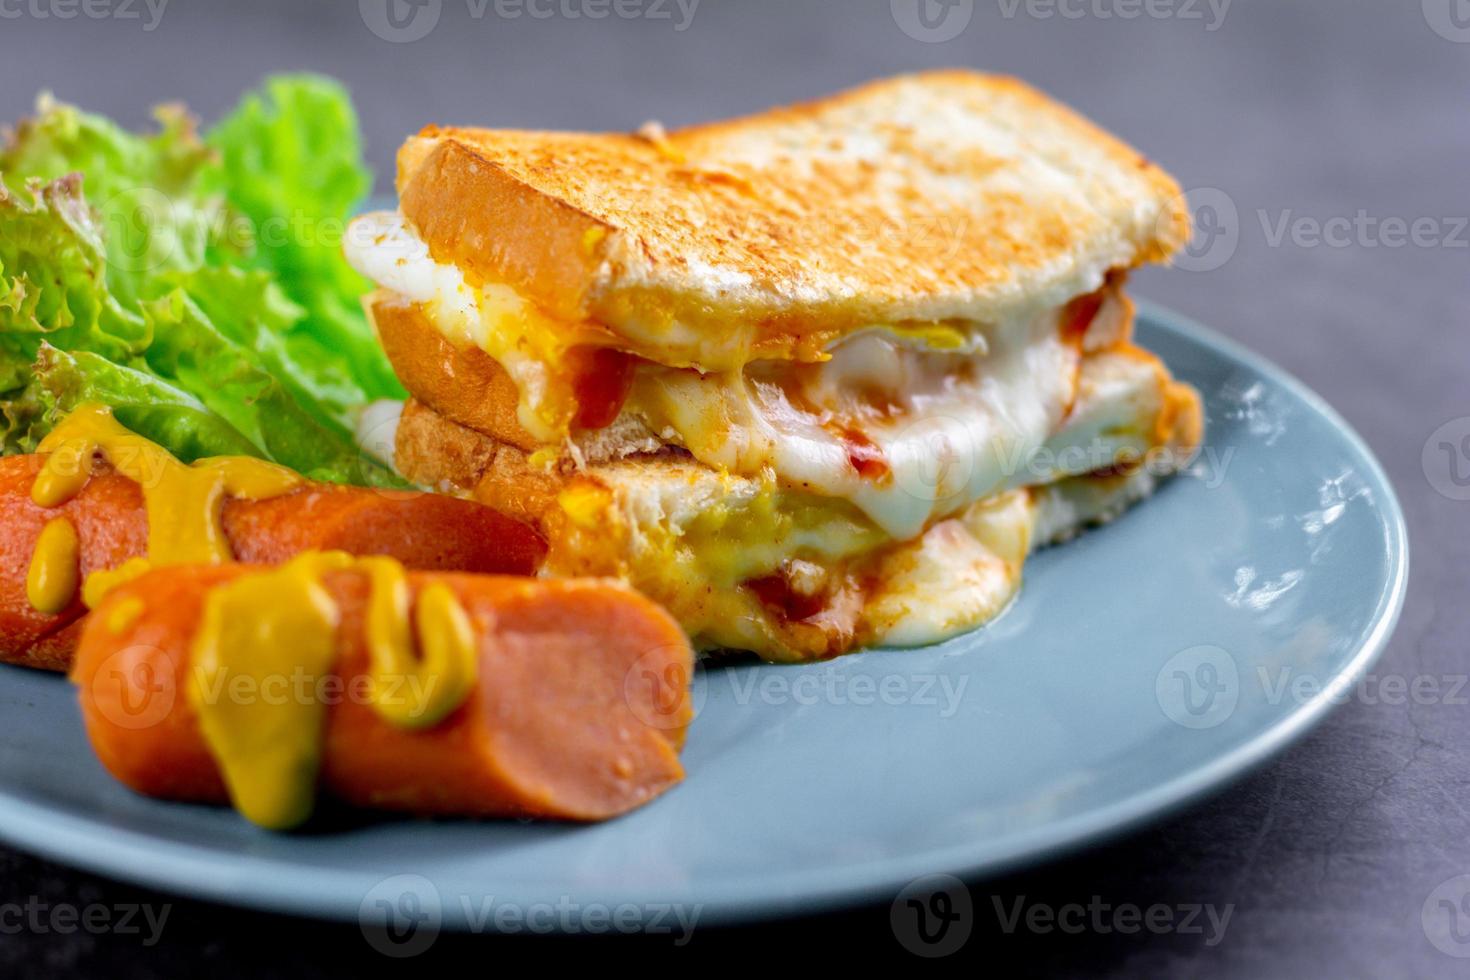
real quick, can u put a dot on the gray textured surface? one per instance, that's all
(1301, 112)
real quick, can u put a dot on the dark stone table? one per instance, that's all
(1327, 128)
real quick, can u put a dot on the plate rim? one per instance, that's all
(191, 870)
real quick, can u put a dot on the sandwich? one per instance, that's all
(814, 379)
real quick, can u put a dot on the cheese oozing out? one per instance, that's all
(742, 564)
(908, 424)
(906, 435)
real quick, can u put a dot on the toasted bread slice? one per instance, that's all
(946, 195)
(467, 385)
(463, 383)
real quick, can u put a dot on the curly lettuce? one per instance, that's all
(193, 282)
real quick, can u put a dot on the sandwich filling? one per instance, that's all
(907, 423)
(883, 486)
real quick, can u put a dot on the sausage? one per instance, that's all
(424, 531)
(111, 528)
(578, 711)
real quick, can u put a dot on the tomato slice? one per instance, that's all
(603, 377)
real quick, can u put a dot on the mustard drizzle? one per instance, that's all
(183, 502)
(277, 624)
(272, 627)
(433, 683)
(52, 579)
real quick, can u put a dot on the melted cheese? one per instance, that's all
(695, 541)
(1030, 412)
(949, 428)
(966, 570)
(533, 347)
(949, 413)
(691, 538)
(961, 573)
(382, 246)
(493, 317)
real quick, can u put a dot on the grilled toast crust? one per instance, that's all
(463, 383)
(928, 197)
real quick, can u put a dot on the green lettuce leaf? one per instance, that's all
(150, 212)
(290, 163)
(171, 417)
(192, 353)
(194, 283)
(53, 276)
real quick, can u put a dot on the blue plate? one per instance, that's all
(1144, 664)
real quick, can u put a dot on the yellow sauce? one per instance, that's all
(52, 579)
(407, 690)
(98, 584)
(257, 635)
(124, 614)
(278, 631)
(183, 501)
